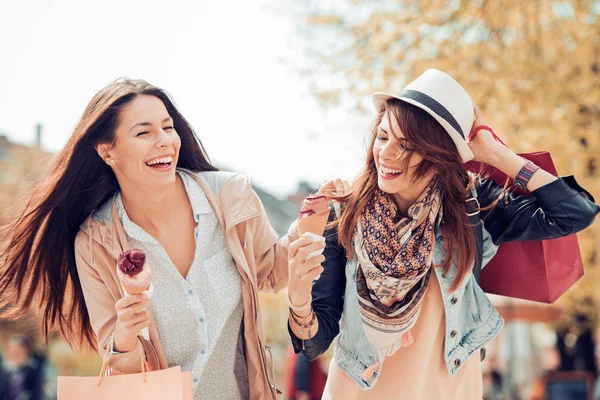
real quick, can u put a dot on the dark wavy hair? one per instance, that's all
(38, 263)
(428, 139)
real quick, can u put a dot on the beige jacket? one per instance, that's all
(260, 257)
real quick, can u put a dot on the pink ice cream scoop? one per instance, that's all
(133, 271)
(313, 215)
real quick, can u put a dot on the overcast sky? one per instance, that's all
(222, 61)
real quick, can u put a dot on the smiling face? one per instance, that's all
(394, 161)
(146, 147)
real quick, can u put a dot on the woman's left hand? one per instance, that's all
(484, 146)
(302, 272)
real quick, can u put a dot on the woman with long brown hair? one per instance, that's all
(399, 259)
(134, 175)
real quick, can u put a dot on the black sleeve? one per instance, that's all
(327, 299)
(557, 209)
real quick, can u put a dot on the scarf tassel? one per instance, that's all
(368, 373)
(407, 339)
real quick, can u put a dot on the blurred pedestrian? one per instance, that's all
(493, 386)
(303, 379)
(3, 381)
(24, 371)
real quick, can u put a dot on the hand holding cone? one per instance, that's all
(135, 276)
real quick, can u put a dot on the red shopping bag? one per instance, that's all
(532, 270)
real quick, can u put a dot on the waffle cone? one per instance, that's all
(315, 223)
(129, 289)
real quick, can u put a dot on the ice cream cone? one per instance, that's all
(313, 220)
(313, 215)
(135, 276)
(129, 289)
(133, 271)
(314, 223)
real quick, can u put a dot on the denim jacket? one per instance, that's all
(558, 209)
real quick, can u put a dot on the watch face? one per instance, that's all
(519, 185)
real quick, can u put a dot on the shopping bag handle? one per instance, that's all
(104, 370)
(475, 131)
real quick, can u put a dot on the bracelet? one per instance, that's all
(525, 175)
(304, 326)
(303, 317)
(112, 345)
(303, 307)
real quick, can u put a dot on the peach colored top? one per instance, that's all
(416, 372)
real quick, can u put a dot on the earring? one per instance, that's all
(112, 160)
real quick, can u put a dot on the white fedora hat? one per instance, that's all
(445, 100)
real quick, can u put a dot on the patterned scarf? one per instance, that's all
(395, 259)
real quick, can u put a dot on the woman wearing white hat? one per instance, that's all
(399, 258)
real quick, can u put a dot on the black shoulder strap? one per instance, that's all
(472, 208)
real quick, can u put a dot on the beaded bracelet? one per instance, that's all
(525, 175)
(302, 325)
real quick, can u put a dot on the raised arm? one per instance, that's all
(327, 302)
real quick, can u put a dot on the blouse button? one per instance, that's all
(457, 362)
(454, 301)
(453, 334)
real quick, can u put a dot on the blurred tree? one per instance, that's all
(20, 166)
(532, 66)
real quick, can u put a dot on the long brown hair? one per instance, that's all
(427, 138)
(38, 264)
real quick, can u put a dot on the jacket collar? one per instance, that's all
(235, 205)
(198, 200)
(238, 202)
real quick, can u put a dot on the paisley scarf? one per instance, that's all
(394, 260)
